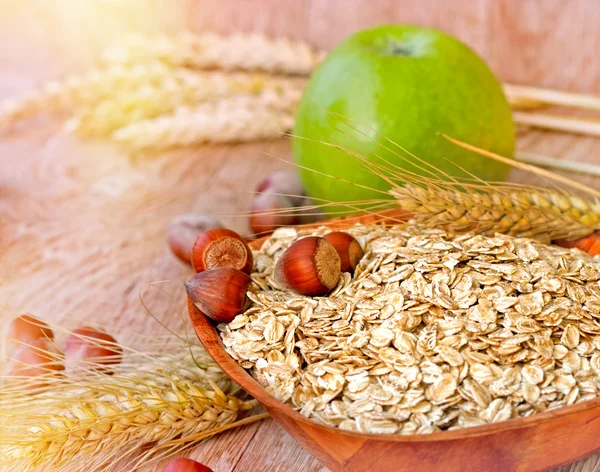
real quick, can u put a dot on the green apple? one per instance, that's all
(404, 85)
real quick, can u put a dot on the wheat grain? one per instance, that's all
(526, 212)
(151, 403)
(249, 52)
(152, 100)
(74, 92)
(234, 119)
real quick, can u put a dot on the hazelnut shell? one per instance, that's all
(219, 293)
(24, 329)
(348, 249)
(183, 231)
(186, 465)
(27, 327)
(221, 247)
(268, 213)
(310, 266)
(96, 348)
(284, 183)
(36, 358)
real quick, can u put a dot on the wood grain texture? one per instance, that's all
(82, 226)
(332, 20)
(547, 43)
(273, 17)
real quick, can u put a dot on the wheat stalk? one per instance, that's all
(152, 100)
(148, 77)
(234, 119)
(525, 95)
(249, 52)
(158, 404)
(585, 126)
(530, 98)
(76, 91)
(562, 164)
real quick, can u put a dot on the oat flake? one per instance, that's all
(433, 332)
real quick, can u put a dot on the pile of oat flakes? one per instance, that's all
(433, 332)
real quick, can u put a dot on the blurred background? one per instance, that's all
(548, 43)
(83, 223)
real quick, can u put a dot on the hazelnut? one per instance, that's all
(183, 231)
(310, 266)
(186, 465)
(284, 183)
(24, 329)
(87, 349)
(38, 358)
(221, 247)
(271, 211)
(348, 249)
(219, 293)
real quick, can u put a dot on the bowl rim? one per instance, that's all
(208, 335)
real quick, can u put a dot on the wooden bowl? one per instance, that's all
(535, 443)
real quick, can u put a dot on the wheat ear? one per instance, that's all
(78, 91)
(528, 212)
(249, 52)
(438, 200)
(234, 119)
(469, 204)
(152, 100)
(158, 404)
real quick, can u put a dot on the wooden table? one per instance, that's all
(82, 233)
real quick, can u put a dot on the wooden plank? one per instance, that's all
(332, 20)
(273, 450)
(272, 17)
(548, 43)
(224, 453)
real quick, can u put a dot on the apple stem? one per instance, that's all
(398, 50)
